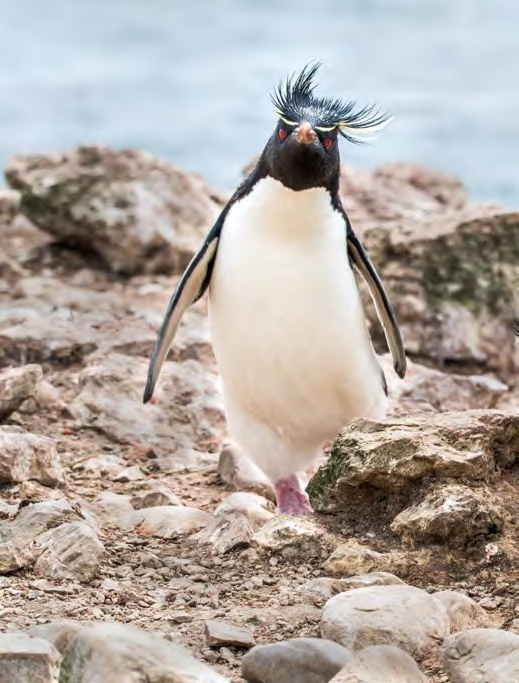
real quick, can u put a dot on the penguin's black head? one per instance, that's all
(303, 151)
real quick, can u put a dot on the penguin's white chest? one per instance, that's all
(287, 321)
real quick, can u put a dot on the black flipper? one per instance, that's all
(193, 283)
(191, 287)
(383, 306)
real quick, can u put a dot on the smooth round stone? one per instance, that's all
(404, 616)
(305, 660)
(381, 664)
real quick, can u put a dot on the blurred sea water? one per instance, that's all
(190, 81)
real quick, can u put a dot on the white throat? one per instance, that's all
(285, 212)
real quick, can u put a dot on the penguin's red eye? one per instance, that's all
(328, 142)
(282, 134)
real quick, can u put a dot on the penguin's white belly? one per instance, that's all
(287, 321)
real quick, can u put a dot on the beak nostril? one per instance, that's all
(305, 133)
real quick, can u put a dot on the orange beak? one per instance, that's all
(305, 133)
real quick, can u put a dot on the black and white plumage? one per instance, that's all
(287, 321)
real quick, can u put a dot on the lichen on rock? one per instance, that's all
(453, 279)
(137, 213)
(399, 453)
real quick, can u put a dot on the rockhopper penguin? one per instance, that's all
(287, 321)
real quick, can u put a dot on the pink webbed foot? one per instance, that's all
(291, 498)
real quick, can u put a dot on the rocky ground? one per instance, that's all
(120, 521)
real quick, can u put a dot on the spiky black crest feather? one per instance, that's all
(295, 101)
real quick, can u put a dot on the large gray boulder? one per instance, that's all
(452, 279)
(137, 213)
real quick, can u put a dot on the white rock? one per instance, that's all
(370, 579)
(404, 616)
(481, 655)
(85, 509)
(16, 386)
(236, 520)
(46, 398)
(64, 324)
(111, 507)
(464, 310)
(292, 537)
(243, 501)
(318, 591)
(101, 466)
(396, 454)
(6, 509)
(24, 659)
(110, 585)
(167, 521)
(28, 456)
